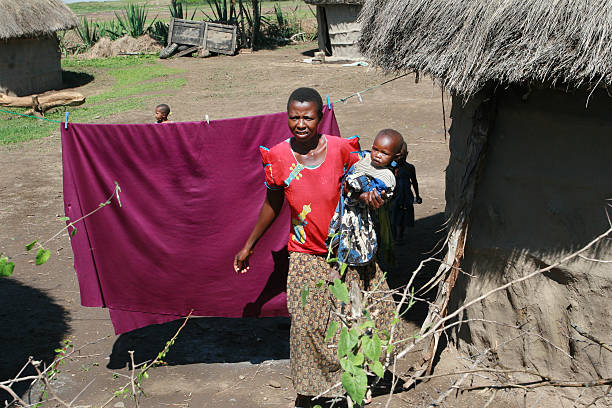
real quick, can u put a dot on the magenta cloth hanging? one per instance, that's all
(190, 196)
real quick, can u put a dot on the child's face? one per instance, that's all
(159, 116)
(384, 151)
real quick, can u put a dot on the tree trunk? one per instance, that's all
(256, 23)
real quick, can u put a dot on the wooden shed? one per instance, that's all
(338, 29)
(528, 183)
(30, 60)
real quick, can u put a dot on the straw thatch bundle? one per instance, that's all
(33, 18)
(338, 2)
(466, 43)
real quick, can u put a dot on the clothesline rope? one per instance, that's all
(370, 88)
(339, 100)
(29, 116)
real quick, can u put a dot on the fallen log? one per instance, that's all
(42, 103)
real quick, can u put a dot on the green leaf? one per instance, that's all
(358, 359)
(368, 324)
(73, 232)
(320, 283)
(377, 368)
(64, 218)
(42, 256)
(331, 331)
(6, 268)
(346, 364)
(343, 269)
(305, 293)
(372, 347)
(346, 343)
(31, 245)
(355, 384)
(339, 290)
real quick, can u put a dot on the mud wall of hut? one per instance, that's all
(541, 195)
(29, 65)
(343, 29)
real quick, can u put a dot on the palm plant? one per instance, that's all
(134, 20)
(88, 32)
(111, 29)
(159, 31)
(221, 13)
(178, 11)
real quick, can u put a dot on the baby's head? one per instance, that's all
(386, 148)
(161, 112)
(403, 152)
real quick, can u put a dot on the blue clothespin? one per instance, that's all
(66, 121)
(328, 102)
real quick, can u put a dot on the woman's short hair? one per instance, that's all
(307, 95)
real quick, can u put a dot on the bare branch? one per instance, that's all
(591, 337)
(542, 383)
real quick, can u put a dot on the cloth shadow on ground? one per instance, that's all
(207, 340)
(31, 324)
(419, 243)
(216, 339)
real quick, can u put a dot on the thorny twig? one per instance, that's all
(43, 375)
(133, 383)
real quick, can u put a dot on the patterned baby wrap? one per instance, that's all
(352, 230)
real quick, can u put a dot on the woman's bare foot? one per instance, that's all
(302, 401)
(368, 397)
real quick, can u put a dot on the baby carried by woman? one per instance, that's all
(354, 231)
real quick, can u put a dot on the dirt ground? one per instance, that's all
(216, 362)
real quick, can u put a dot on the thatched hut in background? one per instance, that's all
(29, 51)
(530, 168)
(338, 29)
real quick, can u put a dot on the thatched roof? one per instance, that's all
(33, 18)
(335, 2)
(465, 43)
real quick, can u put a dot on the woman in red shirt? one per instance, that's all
(306, 170)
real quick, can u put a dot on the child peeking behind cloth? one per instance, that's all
(162, 111)
(354, 230)
(404, 200)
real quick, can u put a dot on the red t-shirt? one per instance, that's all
(312, 192)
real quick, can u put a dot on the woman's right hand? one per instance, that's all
(241, 260)
(372, 199)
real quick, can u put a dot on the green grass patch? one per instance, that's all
(112, 62)
(100, 6)
(132, 77)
